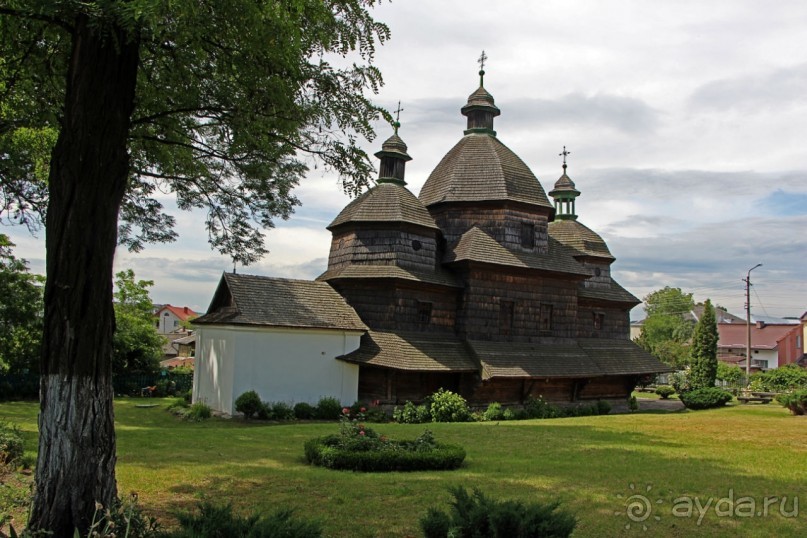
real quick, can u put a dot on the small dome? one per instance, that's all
(481, 168)
(480, 99)
(577, 236)
(386, 202)
(394, 146)
(564, 185)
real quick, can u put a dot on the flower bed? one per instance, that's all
(359, 448)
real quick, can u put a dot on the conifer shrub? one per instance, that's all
(212, 521)
(705, 398)
(665, 391)
(248, 404)
(479, 516)
(329, 408)
(447, 406)
(795, 401)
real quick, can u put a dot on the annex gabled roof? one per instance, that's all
(279, 302)
(438, 276)
(480, 168)
(587, 357)
(577, 236)
(428, 352)
(476, 245)
(386, 202)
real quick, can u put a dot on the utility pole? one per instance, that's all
(747, 281)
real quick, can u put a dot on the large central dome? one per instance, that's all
(478, 168)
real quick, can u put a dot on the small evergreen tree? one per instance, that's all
(703, 358)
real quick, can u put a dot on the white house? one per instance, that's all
(169, 318)
(278, 337)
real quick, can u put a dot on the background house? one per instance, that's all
(772, 344)
(170, 318)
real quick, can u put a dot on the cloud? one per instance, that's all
(754, 93)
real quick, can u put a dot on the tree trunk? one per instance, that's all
(88, 177)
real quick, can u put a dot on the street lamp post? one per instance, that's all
(748, 322)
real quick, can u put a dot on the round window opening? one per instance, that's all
(597, 271)
(416, 245)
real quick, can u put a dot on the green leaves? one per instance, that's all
(136, 346)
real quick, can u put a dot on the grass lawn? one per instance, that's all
(591, 464)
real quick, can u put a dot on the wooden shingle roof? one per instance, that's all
(614, 293)
(279, 302)
(577, 236)
(413, 351)
(386, 202)
(587, 357)
(476, 245)
(478, 168)
(438, 276)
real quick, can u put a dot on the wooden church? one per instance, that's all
(479, 285)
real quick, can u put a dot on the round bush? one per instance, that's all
(447, 406)
(329, 408)
(494, 412)
(665, 391)
(249, 403)
(705, 398)
(304, 411)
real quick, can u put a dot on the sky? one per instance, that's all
(686, 122)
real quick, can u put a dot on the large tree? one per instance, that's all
(704, 349)
(666, 330)
(136, 346)
(219, 101)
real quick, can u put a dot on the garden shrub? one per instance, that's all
(11, 444)
(795, 401)
(447, 406)
(213, 521)
(539, 408)
(280, 411)
(681, 381)
(264, 411)
(633, 404)
(329, 408)
(705, 398)
(198, 412)
(494, 412)
(411, 414)
(665, 391)
(304, 411)
(248, 404)
(603, 407)
(478, 516)
(508, 414)
(788, 377)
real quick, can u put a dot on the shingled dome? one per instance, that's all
(481, 168)
(386, 202)
(575, 235)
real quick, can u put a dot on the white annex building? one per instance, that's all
(278, 337)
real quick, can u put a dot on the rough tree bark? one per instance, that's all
(88, 176)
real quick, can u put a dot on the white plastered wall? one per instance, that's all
(280, 364)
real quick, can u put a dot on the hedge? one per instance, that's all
(399, 456)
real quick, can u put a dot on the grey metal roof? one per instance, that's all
(478, 168)
(279, 302)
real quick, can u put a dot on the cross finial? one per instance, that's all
(481, 61)
(397, 117)
(564, 153)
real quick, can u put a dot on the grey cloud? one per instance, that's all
(776, 89)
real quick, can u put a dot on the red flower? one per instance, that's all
(345, 410)
(363, 410)
(361, 432)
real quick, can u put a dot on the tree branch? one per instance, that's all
(37, 17)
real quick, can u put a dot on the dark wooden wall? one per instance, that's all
(616, 321)
(384, 246)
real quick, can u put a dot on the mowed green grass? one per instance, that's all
(591, 464)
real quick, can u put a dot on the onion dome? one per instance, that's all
(564, 194)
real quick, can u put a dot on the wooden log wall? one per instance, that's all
(411, 248)
(615, 387)
(486, 289)
(503, 223)
(399, 386)
(603, 281)
(615, 326)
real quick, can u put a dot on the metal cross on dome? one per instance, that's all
(482, 60)
(398, 117)
(564, 153)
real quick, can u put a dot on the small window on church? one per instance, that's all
(424, 312)
(599, 319)
(416, 245)
(546, 317)
(527, 234)
(597, 271)
(505, 317)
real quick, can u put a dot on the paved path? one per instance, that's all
(659, 405)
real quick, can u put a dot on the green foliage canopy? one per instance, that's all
(665, 332)
(136, 345)
(21, 311)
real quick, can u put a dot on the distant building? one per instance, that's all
(169, 318)
(772, 345)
